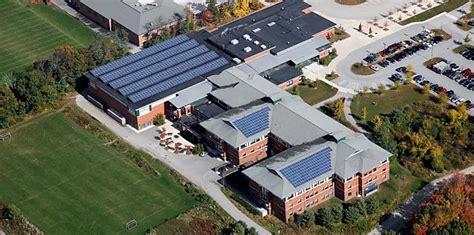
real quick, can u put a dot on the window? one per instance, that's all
(349, 194)
(384, 169)
(384, 176)
(350, 186)
(289, 83)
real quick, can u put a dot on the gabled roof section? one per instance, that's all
(241, 125)
(357, 154)
(294, 169)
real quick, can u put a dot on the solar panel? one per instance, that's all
(157, 67)
(140, 55)
(308, 168)
(170, 72)
(253, 123)
(178, 80)
(140, 65)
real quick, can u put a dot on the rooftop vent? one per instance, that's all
(256, 42)
(237, 60)
(247, 37)
(256, 30)
(263, 46)
(234, 41)
(271, 24)
(248, 49)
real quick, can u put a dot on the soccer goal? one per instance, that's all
(5, 136)
(131, 224)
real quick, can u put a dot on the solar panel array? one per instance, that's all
(159, 68)
(254, 123)
(140, 55)
(308, 168)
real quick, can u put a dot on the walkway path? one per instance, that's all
(399, 219)
(195, 169)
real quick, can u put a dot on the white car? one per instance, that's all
(460, 100)
(375, 67)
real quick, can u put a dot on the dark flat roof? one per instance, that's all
(278, 27)
(208, 108)
(281, 73)
(162, 70)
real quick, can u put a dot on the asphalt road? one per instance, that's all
(400, 218)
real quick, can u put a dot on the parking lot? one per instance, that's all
(442, 49)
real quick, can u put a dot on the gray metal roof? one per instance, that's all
(191, 94)
(296, 54)
(267, 172)
(137, 18)
(356, 154)
(349, 156)
(238, 95)
(222, 125)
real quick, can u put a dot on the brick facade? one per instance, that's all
(319, 193)
(290, 83)
(139, 122)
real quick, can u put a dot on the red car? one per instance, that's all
(441, 90)
(467, 73)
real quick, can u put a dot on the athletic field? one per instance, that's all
(66, 182)
(30, 31)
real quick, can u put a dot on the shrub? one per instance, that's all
(307, 219)
(337, 213)
(351, 215)
(324, 217)
(198, 149)
(159, 120)
(372, 204)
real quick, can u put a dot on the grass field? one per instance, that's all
(312, 96)
(444, 7)
(31, 31)
(387, 101)
(66, 181)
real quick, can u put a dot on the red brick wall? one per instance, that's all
(324, 53)
(253, 153)
(347, 191)
(93, 15)
(285, 86)
(377, 176)
(327, 33)
(131, 119)
(256, 56)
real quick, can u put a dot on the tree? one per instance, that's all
(8, 106)
(365, 89)
(426, 88)
(467, 39)
(307, 219)
(376, 122)
(337, 213)
(360, 27)
(361, 207)
(251, 231)
(338, 108)
(351, 215)
(372, 204)
(443, 98)
(363, 113)
(238, 228)
(397, 85)
(159, 120)
(198, 149)
(324, 217)
(409, 73)
(212, 6)
(370, 30)
(382, 88)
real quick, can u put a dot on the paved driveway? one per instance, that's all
(443, 49)
(195, 169)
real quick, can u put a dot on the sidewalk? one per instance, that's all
(195, 169)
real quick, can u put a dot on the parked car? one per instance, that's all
(402, 69)
(450, 93)
(441, 90)
(457, 42)
(425, 82)
(374, 67)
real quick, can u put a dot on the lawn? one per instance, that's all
(360, 69)
(387, 101)
(313, 95)
(445, 7)
(462, 48)
(30, 31)
(65, 180)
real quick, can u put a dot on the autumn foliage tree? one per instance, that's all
(449, 210)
